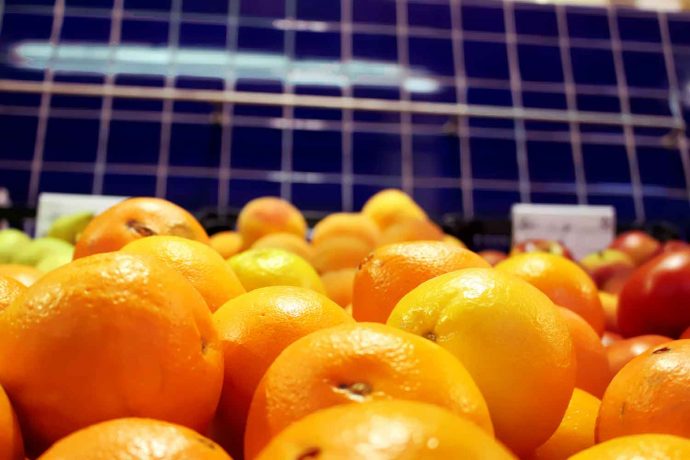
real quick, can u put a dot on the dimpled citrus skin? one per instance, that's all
(385, 430)
(563, 281)
(108, 336)
(136, 218)
(254, 328)
(11, 446)
(357, 363)
(135, 438)
(258, 268)
(639, 447)
(651, 394)
(265, 215)
(9, 290)
(511, 339)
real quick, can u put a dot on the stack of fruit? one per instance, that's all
(378, 338)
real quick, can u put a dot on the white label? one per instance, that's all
(53, 205)
(583, 229)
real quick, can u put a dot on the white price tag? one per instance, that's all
(53, 205)
(583, 229)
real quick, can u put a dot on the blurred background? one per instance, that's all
(468, 105)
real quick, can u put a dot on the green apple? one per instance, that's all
(70, 226)
(12, 241)
(55, 260)
(39, 249)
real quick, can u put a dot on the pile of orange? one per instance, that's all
(374, 335)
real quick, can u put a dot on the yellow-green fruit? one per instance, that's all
(12, 241)
(274, 267)
(69, 227)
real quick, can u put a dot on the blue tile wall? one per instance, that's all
(620, 65)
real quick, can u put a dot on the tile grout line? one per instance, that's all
(407, 172)
(347, 190)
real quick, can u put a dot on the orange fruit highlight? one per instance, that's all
(576, 431)
(389, 206)
(203, 267)
(641, 446)
(512, 340)
(590, 355)
(109, 336)
(11, 445)
(9, 290)
(136, 218)
(410, 229)
(562, 280)
(254, 328)
(339, 252)
(649, 395)
(339, 285)
(384, 430)
(22, 273)
(227, 243)
(352, 224)
(288, 242)
(140, 438)
(265, 215)
(358, 363)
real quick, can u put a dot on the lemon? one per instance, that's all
(274, 267)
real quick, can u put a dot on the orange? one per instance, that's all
(651, 394)
(576, 431)
(410, 229)
(274, 267)
(384, 430)
(390, 272)
(254, 328)
(562, 280)
(590, 355)
(511, 339)
(11, 446)
(265, 215)
(340, 252)
(227, 243)
(609, 303)
(623, 351)
(391, 205)
(136, 218)
(9, 290)
(108, 336)
(450, 239)
(197, 262)
(358, 363)
(288, 242)
(135, 438)
(22, 273)
(639, 447)
(355, 225)
(339, 284)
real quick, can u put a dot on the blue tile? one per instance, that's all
(442, 122)
(32, 2)
(639, 28)
(493, 158)
(435, 156)
(442, 94)
(650, 106)
(682, 64)
(651, 131)
(317, 151)
(375, 47)
(263, 8)
(553, 198)
(257, 110)
(497, 123)
(14, 73)
(76, 102)
(71, 139)
(436, 16)
(550, 161)
(588, 25)
(605, 163)
(66, 182)
(260, 39)
(258, 87)
(540, 21)
(489, 96)
(552, 126)
(18, 27)
(318, 10)
(241, 191)
(88, 3)
(666, 208)
(624, 205)
(376, 153)
(439, 201)
(193, 193)
(679, 29)
(482, 19)
(129, 185)
(317, 45)
(18, 136)
(205, 6)
(148, 4)
(434, 55)
(376, 92)
(20, 99)
(540, 63)
(134, 142)
(540, 100)
(486, 60)
(593, 66)
(494, 203)
(374, 116)
(17, 182)
(317, 197)
(195, 144)
(138, 104)
(374, 11)
(144, 32)
(202, 35)
(194, 106)
(660, 166)
(256, 148)
(645, 69)
(77, 29)
(588, 128)
(598, 103)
